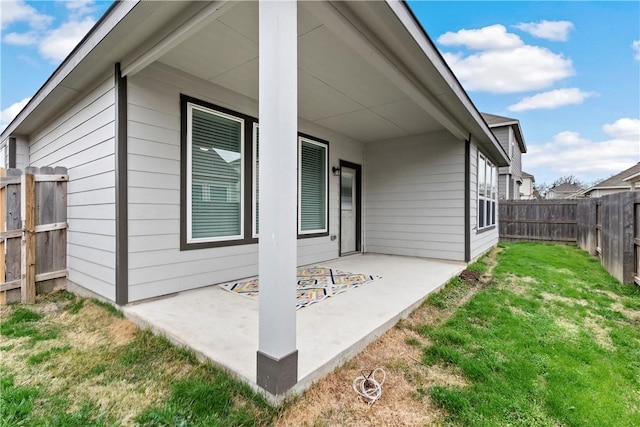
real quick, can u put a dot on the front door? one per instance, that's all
(349, 207)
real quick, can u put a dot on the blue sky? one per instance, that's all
(569, 71)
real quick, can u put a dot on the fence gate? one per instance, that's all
(33, 231)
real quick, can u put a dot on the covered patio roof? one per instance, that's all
(365, 69)
(223, 327)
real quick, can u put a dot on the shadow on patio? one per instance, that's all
(223, 327)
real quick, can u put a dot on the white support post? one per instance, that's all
(277, 359)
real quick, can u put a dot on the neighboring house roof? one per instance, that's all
(564, 191)
(136, 33)
(619, 180)
(495, 121)
(528, 175)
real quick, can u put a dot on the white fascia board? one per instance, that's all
(99, 31)
(203, 18)
(407, 18)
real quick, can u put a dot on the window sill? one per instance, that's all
(184, 246)
(484, 230)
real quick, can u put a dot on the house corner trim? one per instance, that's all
(277, 376)
(122, 217)
(467, 199)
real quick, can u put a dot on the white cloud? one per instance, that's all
(550, 30)
(504, 64)
(21, 39)
(624, 129)
(57, 45)
(551, 99)
(522, 69)
(11, 112)
(636, 46)
(568, 153)
(79, 8)
(493, 37)
(54, 43)
(14, 11)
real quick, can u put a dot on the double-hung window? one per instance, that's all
(312, 187)
(220, 164)
(215, 175)
(487, 192)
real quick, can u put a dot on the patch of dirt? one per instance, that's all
(570, 328)
(632, 315)
(471, 277)
(610, 294)
(569, 301)
(600, 333)
(405, 400)
(122, 331)
(518, 285)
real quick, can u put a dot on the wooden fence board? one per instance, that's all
(608, 227)
(59, 237)
(3, 214)
(28, 252)
(38, 252)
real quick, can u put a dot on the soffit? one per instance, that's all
(337, 87)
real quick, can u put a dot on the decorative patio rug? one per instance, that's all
(313, 284)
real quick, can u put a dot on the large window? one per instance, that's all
(215, 175)
(312, 186)
(487, 193)
(219, 178)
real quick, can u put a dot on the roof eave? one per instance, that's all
(100, 29)
(434, 54)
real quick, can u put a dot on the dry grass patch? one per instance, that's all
(405, 397)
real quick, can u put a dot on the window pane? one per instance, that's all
(256, 180)
(481, 215)
(346, 190)
(313, 183)
(216, 175)
(481, 175)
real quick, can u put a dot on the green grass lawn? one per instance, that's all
(546, 338)
(555, 340)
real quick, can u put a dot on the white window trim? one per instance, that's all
(326, 192)
(254, 195)
(190, 239)
(492, 197)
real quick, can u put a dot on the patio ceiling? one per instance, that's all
(337, 87)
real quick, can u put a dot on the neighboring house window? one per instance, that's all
(487, 192)
(312, 186)
(215, 180)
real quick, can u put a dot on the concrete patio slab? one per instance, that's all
(223, 327)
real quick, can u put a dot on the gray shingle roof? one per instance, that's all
(617, 180)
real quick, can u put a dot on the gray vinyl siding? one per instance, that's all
(82, 140)
(503, 136)
(22, 152)
(484, 240)
(156, 264)
(502, 186)
(415, 197)
(516, 163)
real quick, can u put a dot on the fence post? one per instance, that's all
(28, 248)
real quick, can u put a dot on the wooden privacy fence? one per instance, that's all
(33, 231)
(607, 227)
(538, 220)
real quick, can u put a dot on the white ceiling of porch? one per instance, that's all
(337, 87)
